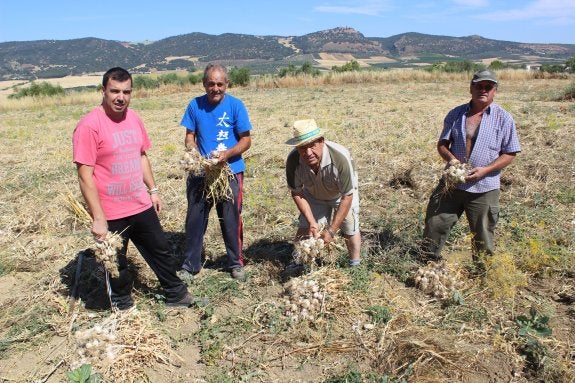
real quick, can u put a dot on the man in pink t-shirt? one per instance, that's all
(116, 180)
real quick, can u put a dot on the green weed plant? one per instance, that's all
(83, 374)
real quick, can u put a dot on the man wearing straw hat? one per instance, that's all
(323, 183)
(482, 135)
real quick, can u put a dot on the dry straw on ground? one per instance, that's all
(122, 345)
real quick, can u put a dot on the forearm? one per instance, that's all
(190, 140)
(148, 176)
(501, 162)
(242, 145)
(304, 208)
(90, 192)
(444, 152)
(147, 172)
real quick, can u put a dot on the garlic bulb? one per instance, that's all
(434, 280)
(304, 299)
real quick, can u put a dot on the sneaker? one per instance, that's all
(354, 263)
(238, 273)
(186, 301)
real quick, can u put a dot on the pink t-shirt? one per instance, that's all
(115, 150)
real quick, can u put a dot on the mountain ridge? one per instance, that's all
(263, 54)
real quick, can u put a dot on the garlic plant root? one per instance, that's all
(217, 174)
(106, 252)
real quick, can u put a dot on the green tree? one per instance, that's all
(292, 70)
(496, 65)
(42, 89)
(239, 76)
(570, 64)
(552, 68)
(350, 66)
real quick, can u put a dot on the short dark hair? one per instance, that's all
(210, 67)
(117, 74)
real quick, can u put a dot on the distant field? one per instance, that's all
(6, 87)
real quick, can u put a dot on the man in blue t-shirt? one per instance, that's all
(218, 122)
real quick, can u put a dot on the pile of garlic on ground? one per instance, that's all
(304, 299)
(308, 250)
(97, 344)
(455, 173)
(434, 279)
(106, 251)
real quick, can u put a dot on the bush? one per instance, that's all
(570, 65)
(455, 67)
(553, 68)
(43, 89)
(569, 93)
(194, 78)
(351, 66)
(292, 70)
(145, 82)
(239, 76)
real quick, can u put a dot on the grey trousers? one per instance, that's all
(445, 209)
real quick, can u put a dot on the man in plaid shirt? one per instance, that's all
(483, 135)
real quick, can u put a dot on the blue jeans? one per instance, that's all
(229, 214)
(146, 233)
(445, 209)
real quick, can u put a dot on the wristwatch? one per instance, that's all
(330, 231)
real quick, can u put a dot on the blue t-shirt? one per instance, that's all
(218, 127)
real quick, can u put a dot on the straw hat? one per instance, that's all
(304, 132)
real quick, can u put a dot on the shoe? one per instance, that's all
(186, 301)
(186, 276)
(354, 263)
(124, 307)
(123, 304)
(238, 273)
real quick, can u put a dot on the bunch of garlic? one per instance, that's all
(455, 173)
(304, 299)
(308, 250)
(434, 279)
(106, 251)
(193, 162)
(96, 343)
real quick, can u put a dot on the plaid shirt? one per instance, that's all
(497, 135)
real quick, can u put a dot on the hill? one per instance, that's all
(263, 54)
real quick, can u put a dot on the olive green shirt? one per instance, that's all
(336, 176)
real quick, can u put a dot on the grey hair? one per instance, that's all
(211, 67)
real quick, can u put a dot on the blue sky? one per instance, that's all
(530, 21)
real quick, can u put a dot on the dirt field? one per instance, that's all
(374, 325)
(6, 87)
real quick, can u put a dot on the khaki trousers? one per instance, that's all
(444, 210)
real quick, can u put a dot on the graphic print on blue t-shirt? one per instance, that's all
(217, 127)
